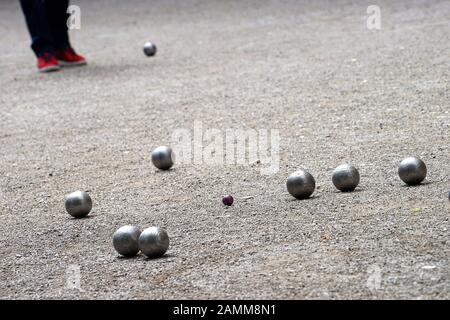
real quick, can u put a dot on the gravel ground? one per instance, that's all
(334, 89)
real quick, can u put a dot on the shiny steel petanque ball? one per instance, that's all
(412, 171)
(78, 204)
(163, 158)
(301, 184)
(345, 177)
(153, 242)
(125, 240)
(149, 49)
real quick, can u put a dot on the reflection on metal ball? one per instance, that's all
(125, 240)
(149, 49)
(78, 204)
(163, 158)
(153, 242)
(412, 171)
(301, 184)
(345, 177)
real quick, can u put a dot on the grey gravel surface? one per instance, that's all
(336, 91)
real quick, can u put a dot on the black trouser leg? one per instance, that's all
(36, 19)
(56, 11)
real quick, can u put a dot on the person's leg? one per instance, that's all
(57, 15)
(36, 19)
(56, 11)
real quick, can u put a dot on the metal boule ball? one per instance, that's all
(78, 204)
(412, 171)
(345, 177)
(153, 242)
(125, 240)
(149, 49)
(301, 184)
(163, 158)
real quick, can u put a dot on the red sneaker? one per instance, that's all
(68, 57)
(47, 62)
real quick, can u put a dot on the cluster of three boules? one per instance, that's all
(129, 240)
(154, 241)
(301, 184)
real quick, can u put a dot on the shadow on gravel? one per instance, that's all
(140, 256)
(306, 199)
(84, 218)
(164, 257)
(349, 192)
(165, 171)
(418, 185)
(127, 258)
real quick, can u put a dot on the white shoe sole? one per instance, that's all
(71, 64)
(49, 69)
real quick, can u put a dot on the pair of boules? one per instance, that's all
(129, 240)
(411, 170)
(301, 184)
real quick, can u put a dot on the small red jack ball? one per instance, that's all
(227, 200)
